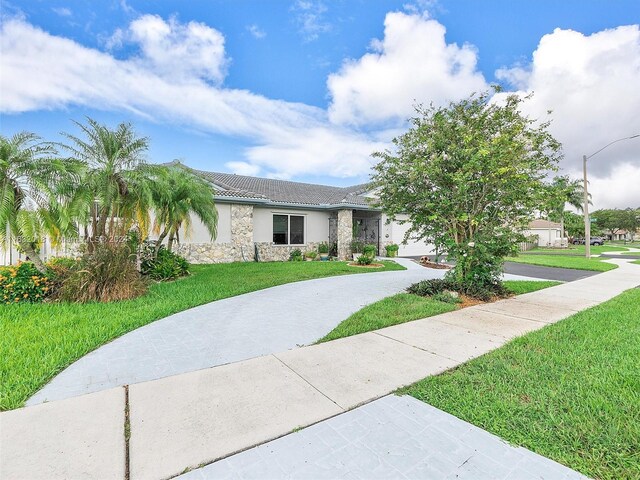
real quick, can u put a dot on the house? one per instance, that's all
(265, 219)
(549, 234)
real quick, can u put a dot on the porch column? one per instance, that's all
(345, 233)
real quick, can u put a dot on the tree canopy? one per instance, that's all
(468, 175)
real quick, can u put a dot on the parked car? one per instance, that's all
(594, 241)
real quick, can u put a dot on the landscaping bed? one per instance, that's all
(39, 340)
(570, 391)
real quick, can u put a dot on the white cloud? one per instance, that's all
(256, 31)
(591, 84)
(42, 71)
(62, 11)
(412, 63)
(243, 168)
(309, 15)
(171, 48)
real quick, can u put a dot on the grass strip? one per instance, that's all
(570, 391)
(563, 261)
(405, 307)
(39, 340)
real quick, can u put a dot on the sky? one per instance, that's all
(307, 89)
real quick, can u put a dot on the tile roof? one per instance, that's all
(283, 191)
(540, 223)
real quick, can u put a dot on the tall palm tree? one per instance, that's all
(566, 191)
(177, 194)
(115, 193)
(33, 187)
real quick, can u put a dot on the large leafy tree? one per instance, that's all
(115, 193)
(34, 187)
(177, 194)
(616, 220)
(469, 176)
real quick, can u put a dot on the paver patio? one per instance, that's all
(173, 420)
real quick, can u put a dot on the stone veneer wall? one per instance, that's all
(269, 252)
(345, 234)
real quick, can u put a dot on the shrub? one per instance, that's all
(311, 255)
(392, 250)
(295, 255)
(369, 250)
(165, 265)
(437, 286)
(107, 274)
(364, 260)
(23, 283)
(323, 248)
(447, 297)
(58, 270)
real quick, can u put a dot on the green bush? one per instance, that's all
(357, 246)
(23, 283)
(323, 248)
(165, 265)
(446, 297)
(295, 255)
(437, 286)
(107, 274)
(58, 269)
(369, 250)
(392, 250)
(364, 260)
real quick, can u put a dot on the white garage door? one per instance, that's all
(413, 248)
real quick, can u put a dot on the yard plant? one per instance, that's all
(468, 175)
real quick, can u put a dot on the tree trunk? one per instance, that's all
(159, 242)
(561, 230)
(170, 242)
(32, 256)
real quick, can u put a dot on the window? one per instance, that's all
(288, 229)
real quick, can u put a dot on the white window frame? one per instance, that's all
(304, 229)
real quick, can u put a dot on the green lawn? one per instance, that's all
(39, 340)
(563, 261)
(570, 391)
(577, 250)
(405, 307)
(637, 262)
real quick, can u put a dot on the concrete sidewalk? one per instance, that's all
(190, 420)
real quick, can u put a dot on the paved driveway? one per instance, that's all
(230, 330)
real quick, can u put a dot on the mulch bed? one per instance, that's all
(425, 262)
(372, 265)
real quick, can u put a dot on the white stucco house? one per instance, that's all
(264, 219)
(548, 233)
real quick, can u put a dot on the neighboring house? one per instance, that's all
(548, 233)
(620, 235)
(270, 218)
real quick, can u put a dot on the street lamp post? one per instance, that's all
(585, 208)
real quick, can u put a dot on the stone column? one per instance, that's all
(242, 232)
(345, 233)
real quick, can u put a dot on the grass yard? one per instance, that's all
(576, 250)
(563, 261)
(39, 340)
(637, 262)
(406, 307)
(570, 391)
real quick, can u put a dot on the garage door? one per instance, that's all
(413, 248)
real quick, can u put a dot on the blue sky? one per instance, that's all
(306, 89)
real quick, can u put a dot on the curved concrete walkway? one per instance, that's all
(230, 330)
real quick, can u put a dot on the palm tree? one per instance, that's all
(115, 193)
(33, 187)
(176, 194)
(565, 191)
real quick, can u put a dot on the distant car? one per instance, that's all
(594, 241)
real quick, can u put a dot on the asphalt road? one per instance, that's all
(546, 273)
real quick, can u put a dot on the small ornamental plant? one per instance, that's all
(23, 283)
(323, 248)
(392, 250)
(369, 250)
